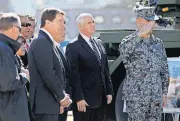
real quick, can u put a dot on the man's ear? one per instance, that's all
(47, 22)
(79, 26)
(13, 29)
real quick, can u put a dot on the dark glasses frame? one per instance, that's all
(18, 27)
(25, 24)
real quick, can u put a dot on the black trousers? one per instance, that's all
(47, 117)
(90, 115)
(63, 117)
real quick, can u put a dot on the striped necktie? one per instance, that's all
(62, 51)
(95, 51)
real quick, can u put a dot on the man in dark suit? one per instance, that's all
(47, 71)
(90, 79)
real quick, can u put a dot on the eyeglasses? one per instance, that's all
(25, 24)
(18, 27)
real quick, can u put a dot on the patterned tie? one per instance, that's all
(27, 46)
(95, 51)
(62, 51)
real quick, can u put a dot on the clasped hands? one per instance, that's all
(66, 102)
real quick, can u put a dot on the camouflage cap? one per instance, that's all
(145, 11)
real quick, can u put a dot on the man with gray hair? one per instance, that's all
(90, 78)
(13, 98)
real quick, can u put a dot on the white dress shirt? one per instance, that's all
(50, 36)
(89, 43)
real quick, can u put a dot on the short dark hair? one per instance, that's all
(8, 20)
(50, 14)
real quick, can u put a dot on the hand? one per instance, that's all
(25, 76)
(25, 71)
(81, 105)
(61, 109)
(69, 99)
(109, 99)
(164, 101)
(66, 101)
(146, 29)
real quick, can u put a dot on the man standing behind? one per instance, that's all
(25, 32)
(13, 99)
(47, 71)
(90, 79)
(33, 23)
(145, 60)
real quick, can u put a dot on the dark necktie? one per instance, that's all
(95, 51)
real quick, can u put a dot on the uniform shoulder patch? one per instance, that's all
(156, 39)
(128, 38)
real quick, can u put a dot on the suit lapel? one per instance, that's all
(88, 48)
(46, 36)
(85, 45)
(54, 48)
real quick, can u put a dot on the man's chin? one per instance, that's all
(62, 39)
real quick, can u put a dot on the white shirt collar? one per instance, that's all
(89, 43)
(50, 36)
(85, 37)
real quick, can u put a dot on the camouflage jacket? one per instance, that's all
(146, 66)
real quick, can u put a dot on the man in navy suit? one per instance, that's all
(47, 70)
(90, 79)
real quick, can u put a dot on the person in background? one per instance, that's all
(21, 51)
(33, 23)
(25, 32)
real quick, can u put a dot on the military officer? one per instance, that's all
(145, 60)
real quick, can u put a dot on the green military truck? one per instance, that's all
(112, 39)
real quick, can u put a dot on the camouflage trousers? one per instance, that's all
(144, 111)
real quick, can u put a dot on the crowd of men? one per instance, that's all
(39, 81)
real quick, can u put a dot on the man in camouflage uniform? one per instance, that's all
(145, 60)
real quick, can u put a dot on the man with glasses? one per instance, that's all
(47, 68)
(145, 60)
(25, 32)
(26, 25)
(13, 99)
(33, 23)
